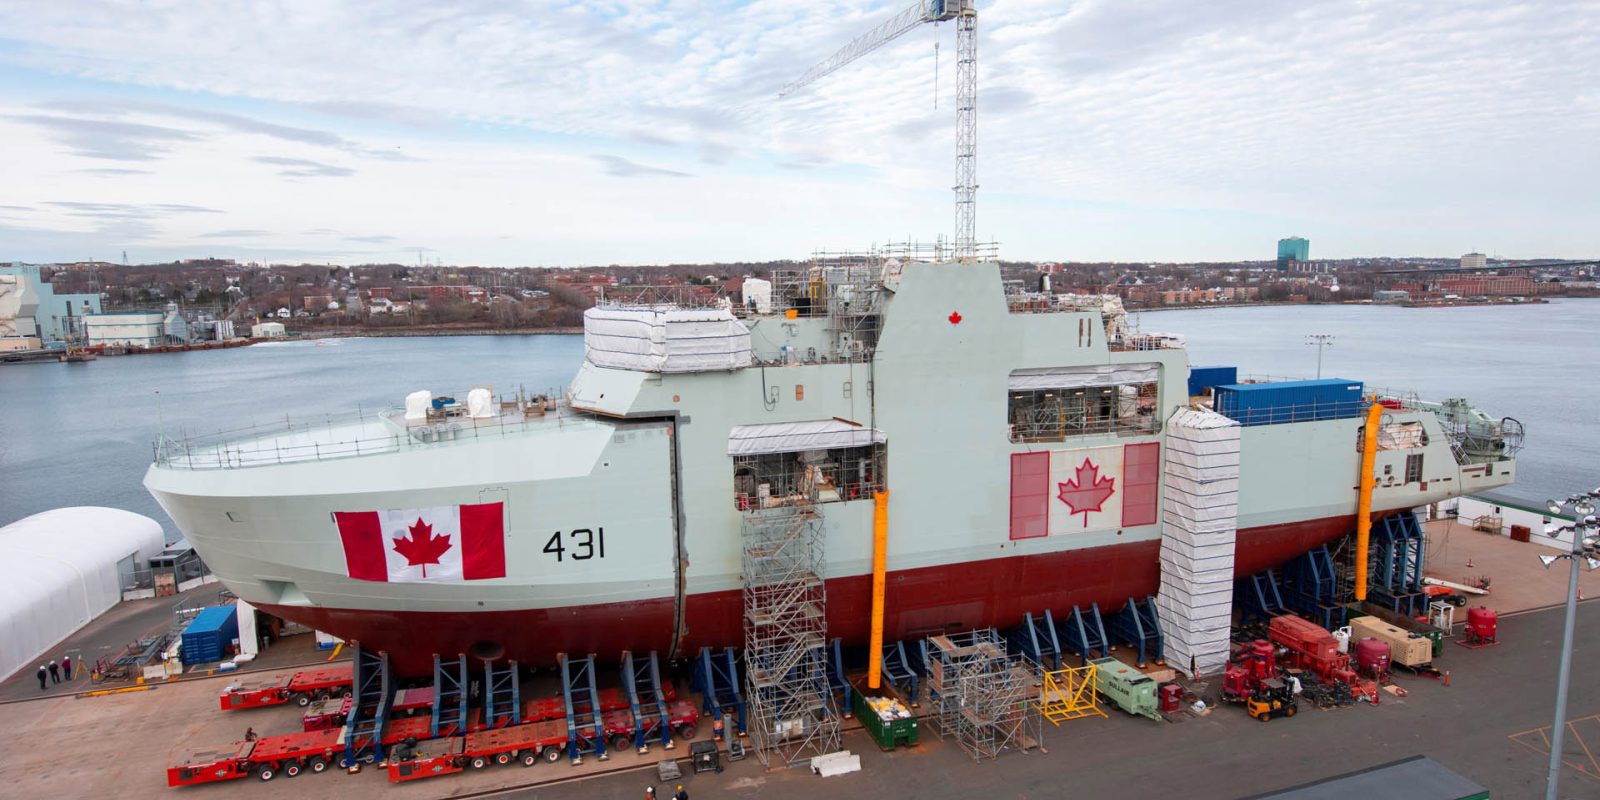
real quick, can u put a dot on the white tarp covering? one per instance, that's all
(1399, 435)
(61, 572)
(1199, 520)
(794, 437)
(1037, 378)
(417, 405)
(480, 405)
(249, 638)
(665, 339)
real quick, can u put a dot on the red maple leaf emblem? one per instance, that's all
(1087, 491)
(422, 548)
(955, 318)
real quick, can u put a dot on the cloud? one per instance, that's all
(370, 239)
(237, 123)
(109, 139)
(116, 171)
(623, 168)
(304, 168)
(135, 210)
(235, 233)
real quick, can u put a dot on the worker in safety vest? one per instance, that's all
(716, 728)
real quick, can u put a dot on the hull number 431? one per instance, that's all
(578, 544)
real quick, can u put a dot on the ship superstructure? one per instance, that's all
(1021, 438)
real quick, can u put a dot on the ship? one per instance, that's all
(1016, 447)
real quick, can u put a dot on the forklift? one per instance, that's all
(1272, 698)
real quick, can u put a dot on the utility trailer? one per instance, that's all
(301, 688)
(289, 754)
(683, 720)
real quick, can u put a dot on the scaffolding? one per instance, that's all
(981, 697)
(790, 701)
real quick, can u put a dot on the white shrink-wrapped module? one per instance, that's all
(417, 404)
(665, 339)
(1199, 523)
(480, 405)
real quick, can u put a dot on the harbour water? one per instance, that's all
(81, 434)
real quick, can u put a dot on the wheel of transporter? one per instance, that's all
(552, 753)
(502, 758)
(530, 758)
(266, 772)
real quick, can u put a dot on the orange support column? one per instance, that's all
(1369, 458)
(880, 555)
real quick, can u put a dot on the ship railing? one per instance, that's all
(331, 436)
(1135, 342)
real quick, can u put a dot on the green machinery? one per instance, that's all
(1129, 689)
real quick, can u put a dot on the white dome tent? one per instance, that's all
(63, 569)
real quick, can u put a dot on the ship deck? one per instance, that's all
(370, 434)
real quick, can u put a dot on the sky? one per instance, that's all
(620, 131)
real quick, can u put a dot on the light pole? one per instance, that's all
(1585, 549)
(1320, 340)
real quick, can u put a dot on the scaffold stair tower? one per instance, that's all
(791, 703)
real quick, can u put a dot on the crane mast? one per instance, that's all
(965, 15)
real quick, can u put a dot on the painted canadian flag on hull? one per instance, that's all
(1056, 492)
(438, 543)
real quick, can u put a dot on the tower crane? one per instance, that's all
(965, 15)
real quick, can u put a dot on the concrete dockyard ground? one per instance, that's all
(1486, 724)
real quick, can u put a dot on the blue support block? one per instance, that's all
(1136, 625)
(836, 678)
(502, 697)
(582, 701)
(370, 698)
(897, 669)
(1084, 633)
(449, 697)
(1036, 639)
(641, 678)
(716, 678)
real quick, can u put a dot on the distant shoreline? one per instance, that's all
(420, 332)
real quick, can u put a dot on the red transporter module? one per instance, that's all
(526, 744)
(302, 688)
(683, 719)
(325, 714)
(610, 700)
(265, 758)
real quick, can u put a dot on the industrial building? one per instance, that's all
(1474, 261)
(37, 311)
(126, 328)
(1291, 250)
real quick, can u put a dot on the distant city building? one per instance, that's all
(1390, 296)
(53, 317)
(1474, 260)
(267, 330)
(126, 328)
(1488, 286)
(1292, 249)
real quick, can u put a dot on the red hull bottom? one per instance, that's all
(921, 602)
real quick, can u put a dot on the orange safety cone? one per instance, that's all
(1469, 564)
(1447, 678)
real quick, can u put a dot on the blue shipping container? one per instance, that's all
(1203, 378)
(209, 634)
(1289, 401)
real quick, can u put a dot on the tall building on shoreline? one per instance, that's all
(1291, 250)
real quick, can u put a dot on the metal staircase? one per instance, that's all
(786, 635)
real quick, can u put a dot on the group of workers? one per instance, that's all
(54, 673)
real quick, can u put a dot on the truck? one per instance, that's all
(301, 688)
(265, 758)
